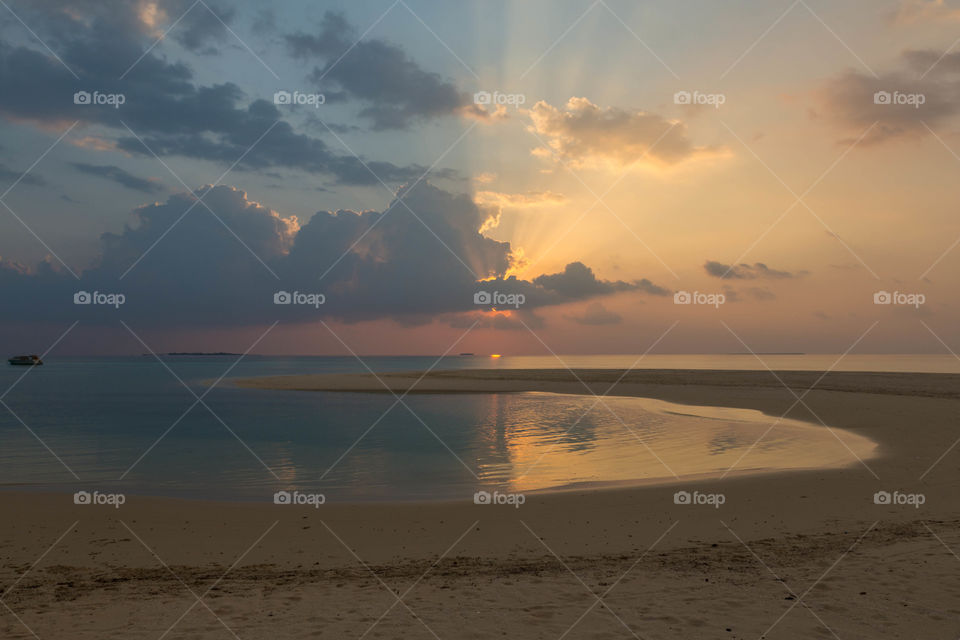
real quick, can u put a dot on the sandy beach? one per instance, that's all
(787, 555)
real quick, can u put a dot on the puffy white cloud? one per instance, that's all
(585, 134)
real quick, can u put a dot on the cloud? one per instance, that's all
(897, 103)
(93, 142)
(596, 314)
(497, 201)
(928, 61)
(585, 134)
(395, 91)
(515, 320)
(265, 21)
(911, 11)
(761, 294)
(577, 281)
(120, 176)
(525, 200)
(203, 24)
(747, 271)
(485, 177)
(164, 104)
(731, 294)
(197, 268)
(9, 176)
(847, 266)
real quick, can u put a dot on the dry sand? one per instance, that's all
(790, 555)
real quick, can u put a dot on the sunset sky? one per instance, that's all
(793, 189)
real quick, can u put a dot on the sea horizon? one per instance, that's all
(857, 362)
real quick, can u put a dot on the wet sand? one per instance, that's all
(789, 555)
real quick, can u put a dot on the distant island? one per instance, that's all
(198, 353)
(202, 353)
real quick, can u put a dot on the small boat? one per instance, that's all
(28, 361)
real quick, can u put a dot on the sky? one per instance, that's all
(422, 177)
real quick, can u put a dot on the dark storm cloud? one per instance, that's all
(120, 176)
(162, 103)
(747, 271)
(417, 259)
(397, 92)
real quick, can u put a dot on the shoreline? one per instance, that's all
(814, 538)
(933, 385)
(583, 488)
(480, 384)
(875, 405)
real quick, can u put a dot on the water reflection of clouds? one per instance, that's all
(522, 441)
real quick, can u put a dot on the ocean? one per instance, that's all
(127, 424)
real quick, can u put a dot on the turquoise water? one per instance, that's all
(123, 424)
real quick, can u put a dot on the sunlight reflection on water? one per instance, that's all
(542, 440)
